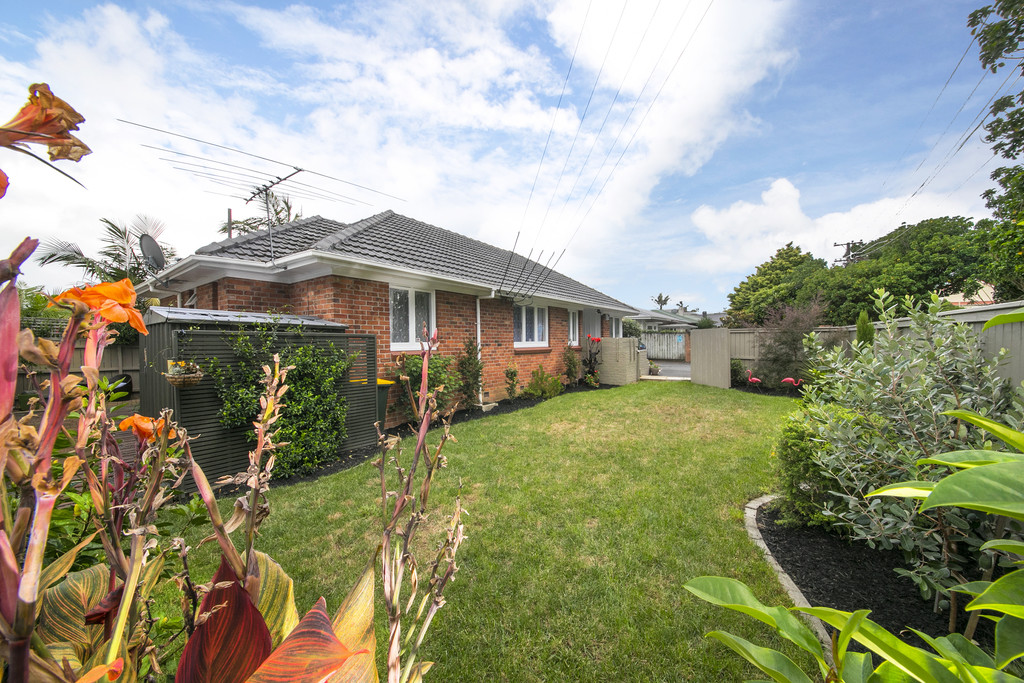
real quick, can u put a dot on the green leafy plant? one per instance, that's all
(876, 415)
(542, 385)
(989, 482)
(571, 363)
(442, 380)
(781, 343)
(737, 373)
(511, 379)
(471, 370)
(865, 330)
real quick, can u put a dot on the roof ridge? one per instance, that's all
(255, 234)
(350, 229)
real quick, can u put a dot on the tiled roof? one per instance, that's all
(394, 240)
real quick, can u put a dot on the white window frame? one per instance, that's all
(616, 328)
(414, 335)
(537, 343)
(574, 328)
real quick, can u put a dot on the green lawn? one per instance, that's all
(587, 514)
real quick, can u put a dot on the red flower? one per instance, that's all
(113, 301)
(596, 339)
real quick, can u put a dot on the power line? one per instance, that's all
(633, 136)
(543, 154)
(262, 158)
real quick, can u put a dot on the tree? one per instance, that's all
(661, 300)
(936, 255)
(120, 256)
(631, 328)
(275, 210)
(999, 30)
(773, 284)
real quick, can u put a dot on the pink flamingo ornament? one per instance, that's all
(794, 382)
(751, 378)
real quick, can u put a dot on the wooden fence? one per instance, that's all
(713, 350)
(662, 346)
(117, 360)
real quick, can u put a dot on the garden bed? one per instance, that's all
(832, 572)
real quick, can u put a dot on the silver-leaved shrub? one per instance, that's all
(871, 412)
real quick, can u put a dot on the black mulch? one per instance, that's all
(832, 572)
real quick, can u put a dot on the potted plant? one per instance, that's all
(183, 373)
(654, 368)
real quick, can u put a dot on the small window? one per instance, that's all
(530, 326)
(616, 327)
(574, 328)
(411, 309)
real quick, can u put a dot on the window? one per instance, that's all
(574, 328)
(411, 309)
(616, 327)
(530, 326)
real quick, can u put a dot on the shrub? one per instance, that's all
(313, 424)
(591, 361)
(471, 370)
(631, 328)
(781, 343)
(511, 379)
(737, 373)
(442, 378)
(705, 323)
(571, 362)
(875, 415)
(865, 330)
(542, 385)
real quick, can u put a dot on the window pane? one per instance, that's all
(542, 324)
(529, 325)
(399, 316)
(517, 325)
(574, 327)
(422, 314)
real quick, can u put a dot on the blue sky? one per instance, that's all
(749, 123)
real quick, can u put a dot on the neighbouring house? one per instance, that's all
(664, 321)
(388, 275)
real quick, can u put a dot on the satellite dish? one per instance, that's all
(152, 254)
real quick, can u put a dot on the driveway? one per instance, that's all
(674, 368)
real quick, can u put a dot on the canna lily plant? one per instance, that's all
(69, 626)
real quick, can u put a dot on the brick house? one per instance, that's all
(388, 274)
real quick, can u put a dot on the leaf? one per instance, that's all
(57, 569)
(735, 595)
(230, 645)
(419, 669)
(843, 641)
(311, 652)
(1005, 318)
(777, 665)
(276, 599)
(63, 607)
(1010, 436)
(353, 624)
(905, 489)
(10, 322)
(1006, 545)
(993, 488)
(1005, 595)
(1009, 640)
(965, 459)
(856, 667)
(914, 661)
(110, 602)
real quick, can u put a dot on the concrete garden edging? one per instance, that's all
(794, 593)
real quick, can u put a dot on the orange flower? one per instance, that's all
(45, 120)
(113, 301)
(144, 427)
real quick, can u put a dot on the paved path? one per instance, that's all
(671, 371)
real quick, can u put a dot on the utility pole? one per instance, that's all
(851, 255)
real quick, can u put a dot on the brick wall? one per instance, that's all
(363, 305)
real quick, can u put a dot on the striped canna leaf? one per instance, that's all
(232, 643)
(64, 606)
(310, 653)
(277, 598)
(353, 624)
